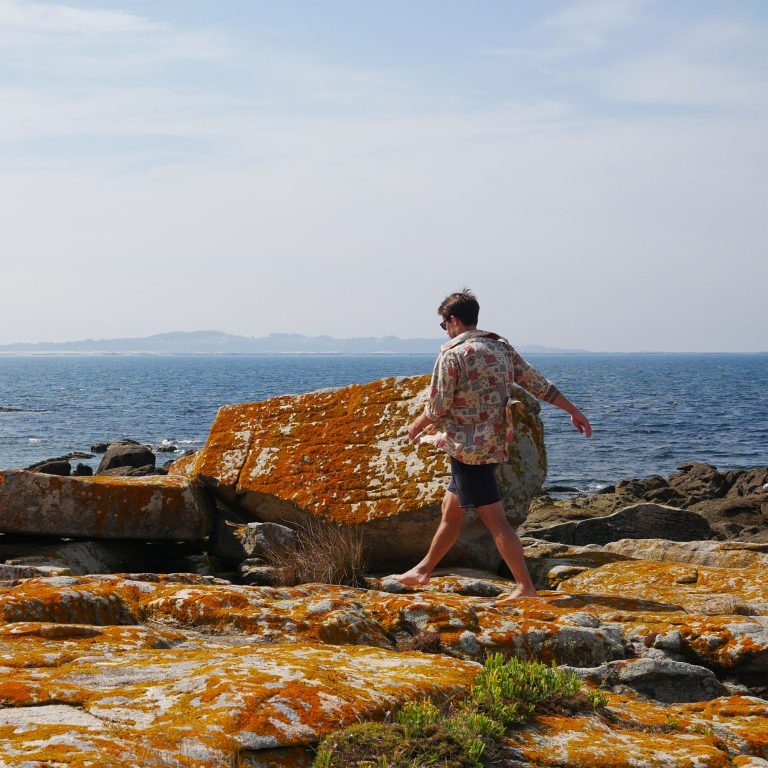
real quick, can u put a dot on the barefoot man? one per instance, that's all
(469, 415)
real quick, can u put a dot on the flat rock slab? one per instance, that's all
(636, 733)
(198, 704)
(697, 588)
(157, 507)
(638, 521)
(718, 554)
(343, 456)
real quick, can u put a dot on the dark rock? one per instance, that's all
(99, 447)
(607, 489)
(125, 454)
(698, 482)
(638, 488)
(52, 467)
(170, 448)
(82, 470)
(639, 521)
(225, 542)
(750, 482)
(147, 469)
(561, 489)
(661, 679)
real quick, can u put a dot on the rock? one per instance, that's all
(144, 471)
(183, 465)
(52, 467)
(271, 668)
(258, 539)
(80, 557)
(258, 574)
(125, 454)
(638, 521)
(719, 554)
(82, 470)
(167, 446)
(698, 482)
(549, 563)
(722, 591)
(343, 456)
(749, 482)
(99, 447)
(663, 680)
(638, 733)
(19, 571)
(242, 701)
(102, 507)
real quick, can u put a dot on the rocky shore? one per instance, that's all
(149, 616)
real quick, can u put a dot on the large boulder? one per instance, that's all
(639, 521)
(102, 507)
(343, 456)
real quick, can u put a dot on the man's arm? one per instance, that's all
(441, 390)
(532, 381)
(578, 419)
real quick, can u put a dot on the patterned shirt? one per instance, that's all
(472, 396)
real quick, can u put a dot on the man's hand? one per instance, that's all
(581, 423)
(418, 426)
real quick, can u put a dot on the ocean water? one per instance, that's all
(650, 412)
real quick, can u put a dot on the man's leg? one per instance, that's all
(508, 544)
(444, 538)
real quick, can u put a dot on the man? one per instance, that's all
(469, 415)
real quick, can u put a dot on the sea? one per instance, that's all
(649, 412)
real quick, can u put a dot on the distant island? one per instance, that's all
(218, 342)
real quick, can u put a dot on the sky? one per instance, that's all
(596, 171)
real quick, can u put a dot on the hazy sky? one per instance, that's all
(596, 171)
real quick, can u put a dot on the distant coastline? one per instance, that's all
(221, 343)
(218, 342)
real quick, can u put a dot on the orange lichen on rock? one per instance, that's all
(696, 588)
(342, 454)
(202, 702)
(154, 507)
(626, 738)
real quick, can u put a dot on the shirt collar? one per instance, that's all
(466, 336)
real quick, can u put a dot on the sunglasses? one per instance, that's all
(445, 322)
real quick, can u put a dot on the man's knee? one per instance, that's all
(451, 510)
(494, 518)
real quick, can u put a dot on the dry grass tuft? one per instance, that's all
(322, 552)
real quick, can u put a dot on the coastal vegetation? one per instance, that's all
(506, 693)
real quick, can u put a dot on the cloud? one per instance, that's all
(591, 23)
(64, 19)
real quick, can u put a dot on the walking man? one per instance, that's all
(469, 414)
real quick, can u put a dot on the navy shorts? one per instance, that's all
(474, 484)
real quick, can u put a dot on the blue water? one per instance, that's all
(649, 412)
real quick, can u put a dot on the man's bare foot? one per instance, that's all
(413, 578)
(524, 592)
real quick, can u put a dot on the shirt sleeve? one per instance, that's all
(532, 381)
(442, 388)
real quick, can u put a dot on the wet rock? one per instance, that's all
(102, 507)
(343, 456)
(82, 470)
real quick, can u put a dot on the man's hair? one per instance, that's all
(463, 305)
